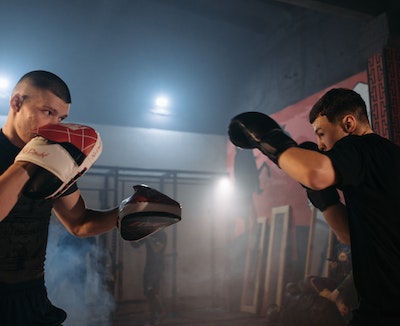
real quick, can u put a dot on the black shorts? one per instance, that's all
(26, 303)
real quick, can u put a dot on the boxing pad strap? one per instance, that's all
(148, 207)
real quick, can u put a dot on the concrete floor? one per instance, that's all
(134, 314)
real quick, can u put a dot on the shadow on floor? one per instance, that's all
(133, 313)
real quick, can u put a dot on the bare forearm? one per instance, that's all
(98, 222)
(336, 217)
(82, 221)
(310, 168)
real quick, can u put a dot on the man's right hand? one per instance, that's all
(257, 130)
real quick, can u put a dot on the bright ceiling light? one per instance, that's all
(161, 106)
(4, 83)
(224, 185)
(4, 87)
(223, 191)
(162, 101)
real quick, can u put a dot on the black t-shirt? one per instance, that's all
(369, 170)
(23, 233)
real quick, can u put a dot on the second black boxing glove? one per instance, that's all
(324, 198)
(258, 130)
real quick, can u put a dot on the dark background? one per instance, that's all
(213, 58)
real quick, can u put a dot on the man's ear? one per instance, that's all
(16, 102)
(349, 123)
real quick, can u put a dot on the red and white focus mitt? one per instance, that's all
(63, 153)
(145, 212)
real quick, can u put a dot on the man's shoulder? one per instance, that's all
(8, 152)
(368, 140)
(6, 144)
(356, 148)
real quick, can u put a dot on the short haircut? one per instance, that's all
(48, 81)
(338, 102)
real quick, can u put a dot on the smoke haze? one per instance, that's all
(76, 278)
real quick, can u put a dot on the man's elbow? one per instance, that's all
(79, 230)
(317, 181)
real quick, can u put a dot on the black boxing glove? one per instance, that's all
(324, 198)
(257, 130)
(320, 199)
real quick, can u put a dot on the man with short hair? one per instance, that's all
(362, 164)
(39, 98)
(41, 159)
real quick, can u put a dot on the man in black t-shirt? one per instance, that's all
(39, 98)
(366, 168)
(41, 159)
